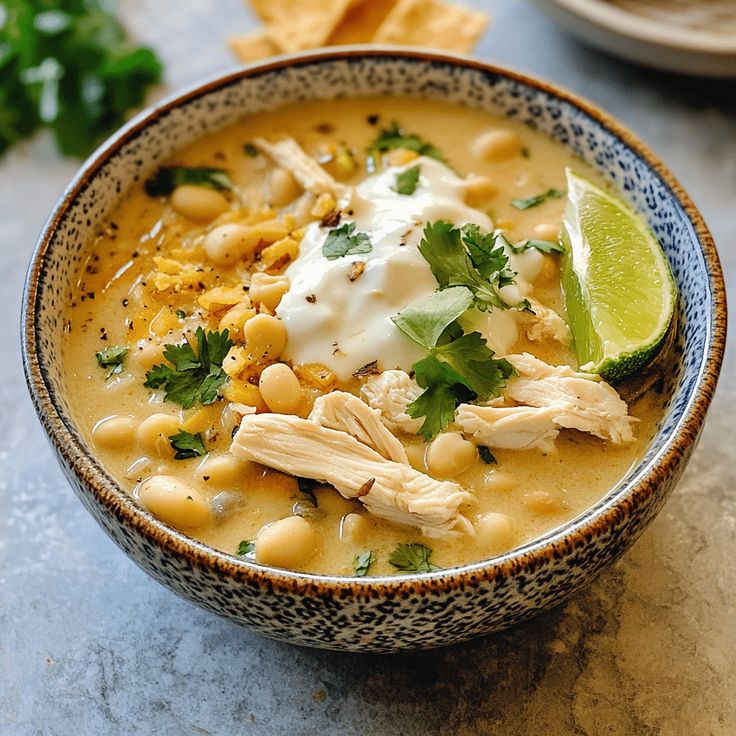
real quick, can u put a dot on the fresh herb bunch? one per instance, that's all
(65, 64)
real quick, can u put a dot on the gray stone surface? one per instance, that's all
(90, 645)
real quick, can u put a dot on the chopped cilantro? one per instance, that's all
(546, 246)
(344, 241)
(424, 321)
(181, 314)
(412, 558)
(246, 547)
(250, 150)
(486, 455)
(459, 371)
(187, 445)
(363, 562)
(195, 377)
(407, 180)
(168, 178)
(396, 137)
(112, 358)
(68, 65)
(467, 258)
(525, 152)
(524, 203)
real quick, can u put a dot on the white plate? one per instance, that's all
(688, 36)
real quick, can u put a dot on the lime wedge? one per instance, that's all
(618, 286)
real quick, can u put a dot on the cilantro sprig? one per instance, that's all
(187, 445)
(168, 178)
(344, 241)
(192, 378)
(246, 547)
(412, 558)
(395, 137)
(545, 246)
(407, 180)
(67, 65)
(525, 203)
(467, 257)
(113, 358)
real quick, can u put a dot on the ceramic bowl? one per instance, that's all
(696, 37)
(381, 614)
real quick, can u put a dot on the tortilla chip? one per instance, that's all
(433, 24)
(296, 25)
(361, 22)
(253, 46)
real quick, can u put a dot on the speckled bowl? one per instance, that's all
(409, 611)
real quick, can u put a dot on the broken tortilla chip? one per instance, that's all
(296, 25)
(361, 22)
(253, 46)
(434, 24)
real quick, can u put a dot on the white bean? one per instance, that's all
(354, 528)
(265, 337)
(115, 432)
(280, 389)
(547, 231)
(289, 543)
(223, 470)
(496, 145)
(154, 432)
(283, 186)
(198, 203)
(229, 243)
(174, 502)
(450, 454)
(267, 289)
(494, 532)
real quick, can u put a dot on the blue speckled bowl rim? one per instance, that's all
(554, 544)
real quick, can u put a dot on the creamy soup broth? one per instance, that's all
(115, 303)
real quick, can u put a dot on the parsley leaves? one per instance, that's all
(195, 377)
(187, 445)
(246, 547)
(407, 180)
(412, 558)
(67, 65)
(395, 137)
(424, 321)
(112, 358)
(545, 246)
(344, 241)
(466, 257)
(363, 562)
(486, 455)
(525, 203)
(459, 371)
(168, 178)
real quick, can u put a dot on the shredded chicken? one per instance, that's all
(347, 413)
(545, 324)
(288, 154)
(510, 427)
(388, 489)
(391, 392)
(586, 401)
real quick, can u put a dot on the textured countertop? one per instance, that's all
(90, 645)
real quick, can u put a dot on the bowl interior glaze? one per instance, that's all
(154, 136)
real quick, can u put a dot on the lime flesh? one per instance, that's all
(619, 290)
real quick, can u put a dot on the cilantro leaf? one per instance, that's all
(545, 246)
(487, 253)
(486, 455)
(446, 250)
(187, 445)
(437, 405)
(412, 558)
(250, 150)
(344, 241)
(525, 203)
(195, 377)
(407, 180)
(168, 178)
(246, 547)
(395, 137)
(424, 321)
(67, 65)
(363, 562)
(112, 358)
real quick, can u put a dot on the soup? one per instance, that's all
(332, 338)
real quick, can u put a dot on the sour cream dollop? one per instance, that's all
(345, 323)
